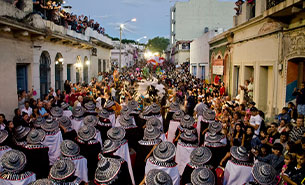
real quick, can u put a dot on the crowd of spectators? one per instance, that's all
(55, 12)
(235, 131)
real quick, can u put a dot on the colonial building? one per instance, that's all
(268, 44)
(191, 19)
(37, 54)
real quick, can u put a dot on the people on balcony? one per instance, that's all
(54, 12)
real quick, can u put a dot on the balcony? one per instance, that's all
(283, 9)
(13, 16)
(272, 3)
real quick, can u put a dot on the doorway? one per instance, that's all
(22, 77)
(266, 81)
(59, 60)
(295, 76)
(85, 70)
(44, 73)
(236, 82)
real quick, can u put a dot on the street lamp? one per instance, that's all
(122, 26)
(145, 37)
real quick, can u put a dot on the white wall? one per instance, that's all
(193, 16)
(199, 53)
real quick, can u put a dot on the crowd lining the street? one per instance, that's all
(107, 132)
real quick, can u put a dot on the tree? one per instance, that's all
(158, 44)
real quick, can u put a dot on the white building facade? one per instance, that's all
(199, 54)
(191, 19)
(37, 54)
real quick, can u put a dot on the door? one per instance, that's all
(58, 75)
(85, 73)
(104, 65)
(69, 72)
(22, 77)
(45, 73)
(77, 75)
(99, 65)
(236, 80)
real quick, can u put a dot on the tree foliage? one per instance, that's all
(158, 44)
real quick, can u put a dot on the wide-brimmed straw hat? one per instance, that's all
(69, 148)
(263, 173)
(155, 108)
(116, 133)
(78, 111)
(21, 132)
(174, 106)
(86, 133)
(178, 115)
(202, 176)
(107, 170)
(35, 136)
(133, 104)
(56, 112)
(164, 152)
(62, 169)
(208, 114)
(65, 122)
(109, 104)
(213, 137)
(200, 156)
(3, 135)
(64, 105)
(104, 114)
(90, 106)
(215, 126)
(187, 121)
(39, 121)
(157, 177)
(188, 135)
(151, 133)
(42, 182)
(155, 122)
(13, 161)
(110, 146)
(50, 125)
(91, 120)
(239, 153)
(125, 110)
(126, 121)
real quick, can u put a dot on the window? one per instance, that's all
(173, 15)
(172, 39)
(172, 27)
(194, 70)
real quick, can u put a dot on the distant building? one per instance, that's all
(191, 19)
(199, 54)
(130, 53)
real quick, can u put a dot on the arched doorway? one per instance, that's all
(44, 73)
(85, 70)
(295, 76)
(59, 60)
(78, 68)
